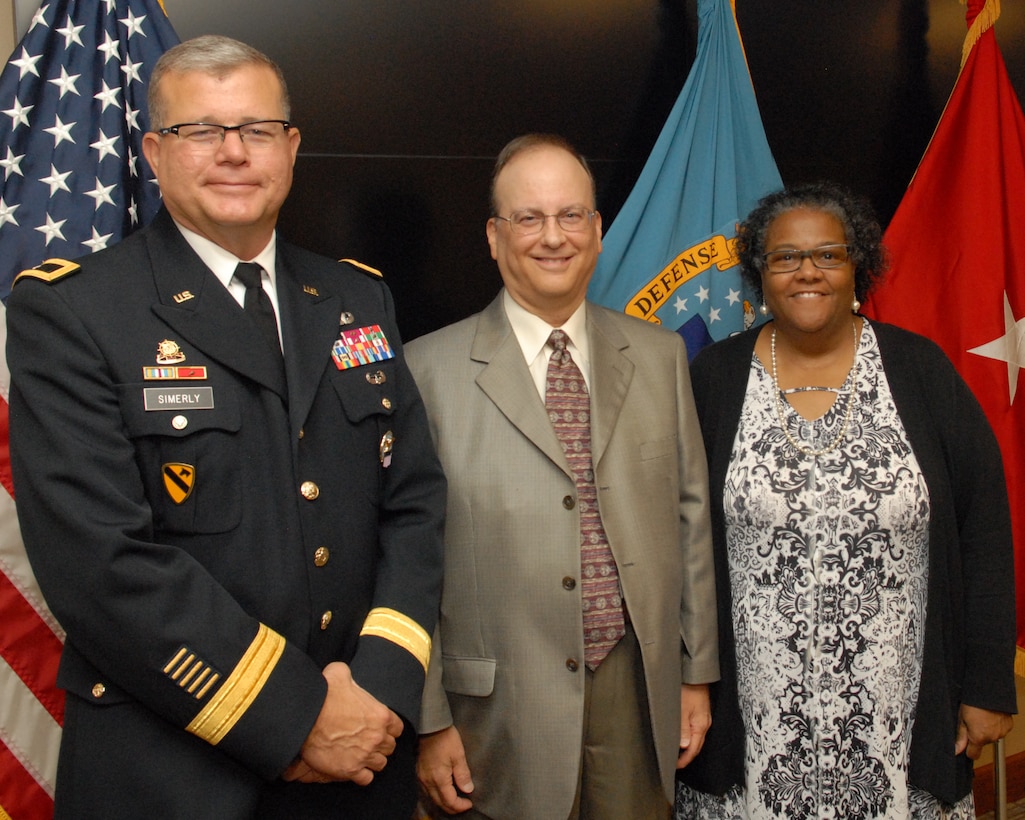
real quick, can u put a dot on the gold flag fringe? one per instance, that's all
(983, 21)
(1019, 662)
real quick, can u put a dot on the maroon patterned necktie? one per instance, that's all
(569, 409)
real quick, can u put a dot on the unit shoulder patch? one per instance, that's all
(49, 271)
(367, 268)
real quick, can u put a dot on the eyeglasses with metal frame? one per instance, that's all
(824, 257)
(256, 134)
(574, 219)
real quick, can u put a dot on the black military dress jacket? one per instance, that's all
(210, 529)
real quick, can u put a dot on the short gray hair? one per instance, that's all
(209, 54)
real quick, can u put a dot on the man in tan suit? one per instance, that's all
(557, 517)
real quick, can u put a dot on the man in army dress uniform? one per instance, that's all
(227, 488)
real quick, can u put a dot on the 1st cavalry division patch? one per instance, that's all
(179, 479)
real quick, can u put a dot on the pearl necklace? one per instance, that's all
(807, 451)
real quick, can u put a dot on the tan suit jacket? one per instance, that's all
(507, 667)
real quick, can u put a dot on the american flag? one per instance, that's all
(72, 116)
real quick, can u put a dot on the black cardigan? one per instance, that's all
(970, 625)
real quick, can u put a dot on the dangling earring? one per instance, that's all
(764, 309)
(855, 306)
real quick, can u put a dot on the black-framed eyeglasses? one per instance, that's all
(256, 134)
(823, 257)
(527, 222)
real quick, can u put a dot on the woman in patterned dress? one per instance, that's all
(863, 544)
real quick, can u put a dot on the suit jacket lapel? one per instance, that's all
(611, 374)
(310, 322)
(197, 306)
(506, 381)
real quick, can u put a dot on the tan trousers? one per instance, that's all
(620, 779)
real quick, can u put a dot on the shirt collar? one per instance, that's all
(223, 263)
(532, 331)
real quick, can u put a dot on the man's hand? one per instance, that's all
(977, 727)
(441, 768)
(352, 737)
(695, 720)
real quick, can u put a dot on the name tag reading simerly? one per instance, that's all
(178, 398)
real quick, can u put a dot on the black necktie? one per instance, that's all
(257, 302)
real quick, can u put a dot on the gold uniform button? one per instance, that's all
(302, 433)
(309, 490)
(325, 619)
(321, 555)
(99, 690)
(179, 422)
(386, 403)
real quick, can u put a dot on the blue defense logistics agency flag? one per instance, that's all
(72, 116)
(668, 256)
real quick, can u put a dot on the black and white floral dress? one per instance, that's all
(828, 560)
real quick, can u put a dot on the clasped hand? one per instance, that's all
(352, 737)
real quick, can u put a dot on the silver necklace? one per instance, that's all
(777, 393)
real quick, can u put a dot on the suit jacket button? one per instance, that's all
(99, 690)
(568, 502)
(321, 555)
(302, 433)
(309, 490)
(572, 665)
(569, 583)
(325, 619)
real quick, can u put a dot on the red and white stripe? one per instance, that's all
(31, 706)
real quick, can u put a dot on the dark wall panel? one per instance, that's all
(402, 107)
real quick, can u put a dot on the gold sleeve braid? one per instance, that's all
(400, 630)
(240, 688)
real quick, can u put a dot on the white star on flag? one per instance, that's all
(26, 64)
(101, 193)
(65, 82)
(11, 163)
(56, 180)
(61, 131)
(1008, 348)
(18, 114)
(52, 229)
(105, 146)
(70, 32)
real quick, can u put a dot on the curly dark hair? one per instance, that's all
(861, 230)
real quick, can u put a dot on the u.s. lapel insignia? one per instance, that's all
(169, 352)
(311, 290)
(184, 296)
(179, 479)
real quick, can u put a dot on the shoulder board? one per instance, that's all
(367, 268)
(50, 271)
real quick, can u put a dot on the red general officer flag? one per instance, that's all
(957, 243)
